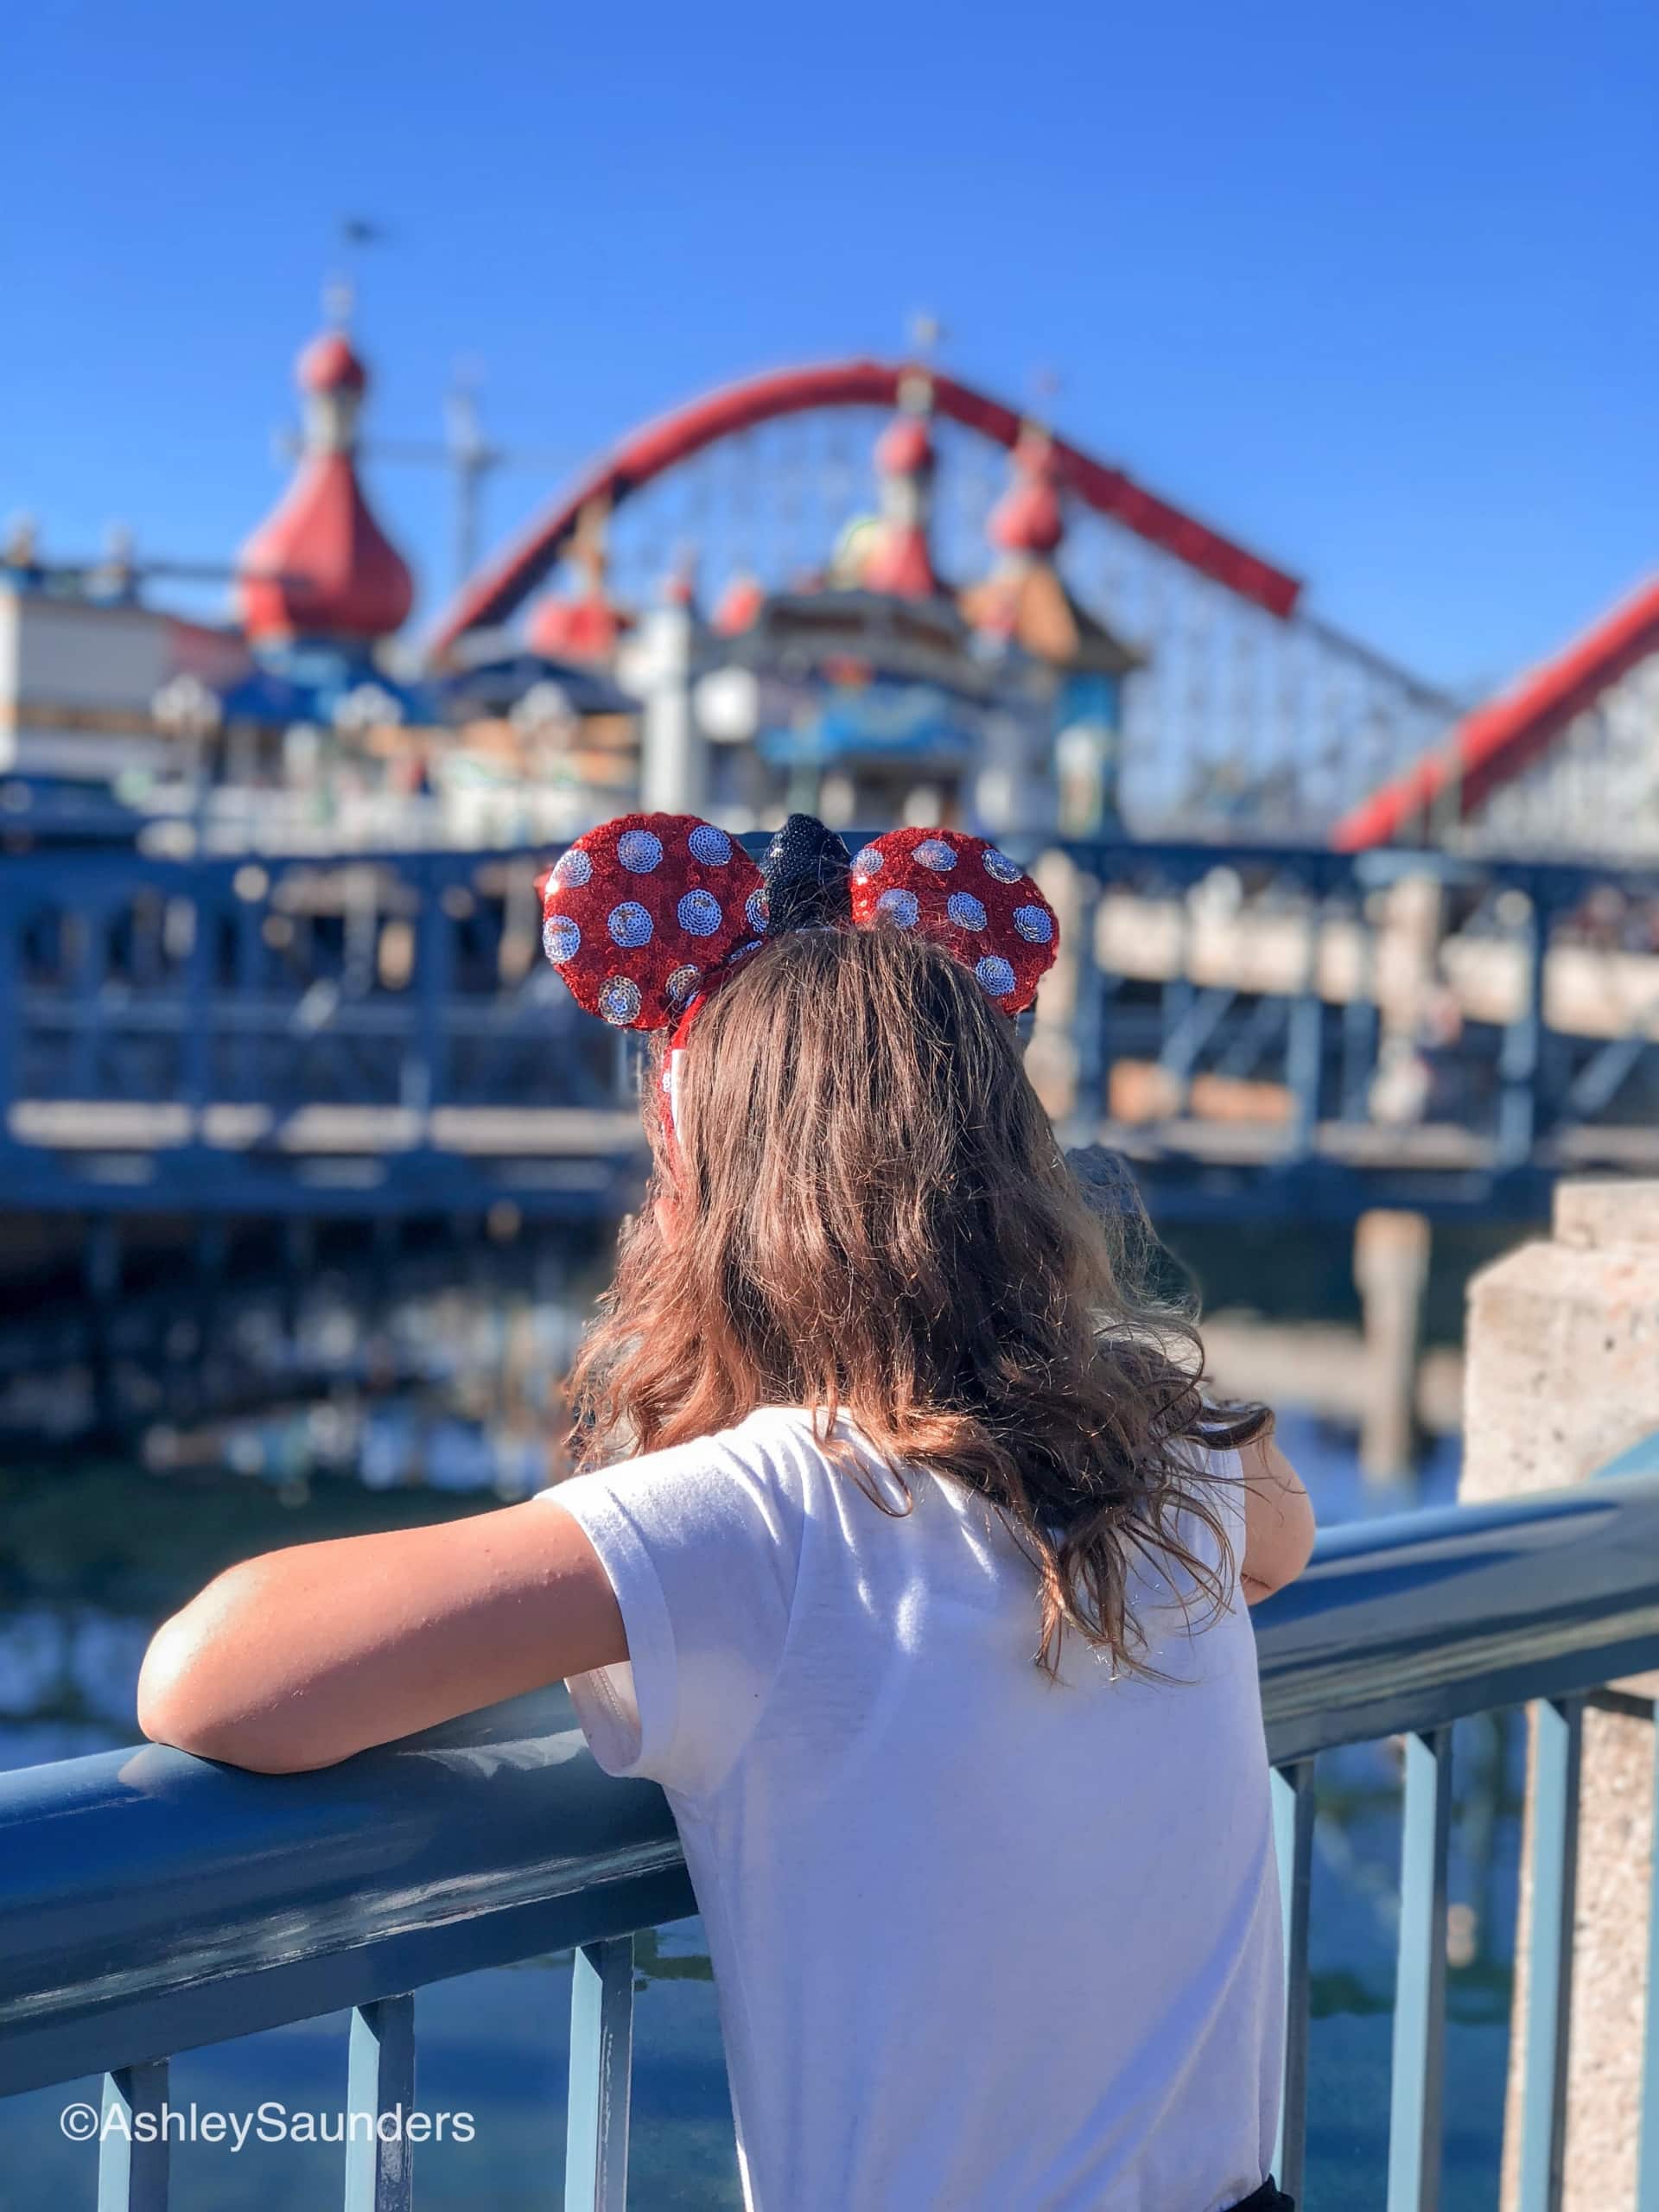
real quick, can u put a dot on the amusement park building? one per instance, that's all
(1041, 644)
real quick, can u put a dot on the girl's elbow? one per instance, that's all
(191, 1695)
(184, 1714)
(180, 1702)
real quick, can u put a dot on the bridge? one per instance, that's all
(148, 1914)
(377, 1036)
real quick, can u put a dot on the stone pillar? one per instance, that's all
(1409, 952)
(1563, 1374)
(1391, 1256)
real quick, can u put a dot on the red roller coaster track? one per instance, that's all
(1490, 747)
(508, 581)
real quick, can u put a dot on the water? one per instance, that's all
(494, 2045)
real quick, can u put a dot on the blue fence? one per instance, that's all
(1508, 1104)
(154, 1904)
(378, 1034)
(359, 1035)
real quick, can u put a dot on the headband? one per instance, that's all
(647, 914)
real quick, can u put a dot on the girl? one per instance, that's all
(909, 1559)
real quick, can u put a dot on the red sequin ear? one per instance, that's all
(640, 913)
(964, 894)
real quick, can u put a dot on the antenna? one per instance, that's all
(339, 293)
(466, 450)
(472, 457)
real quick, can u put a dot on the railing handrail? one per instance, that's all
(154, 1901)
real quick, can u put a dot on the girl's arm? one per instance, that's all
(1278, 1520)
(302, 1657)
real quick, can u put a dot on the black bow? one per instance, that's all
(808, 876)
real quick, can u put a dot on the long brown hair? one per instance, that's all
(862, 1206)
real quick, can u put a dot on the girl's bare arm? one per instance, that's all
(300, 1657)
(1278, 1520)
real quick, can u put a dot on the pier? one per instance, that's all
(378, 1034)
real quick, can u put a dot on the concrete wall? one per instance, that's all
(1562, 1374)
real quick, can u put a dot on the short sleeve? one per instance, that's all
(701, 1545)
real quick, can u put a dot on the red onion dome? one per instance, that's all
(321, 567)
(900, 561)
(739, 606)
(1028, 519)
(905, 447)
(329, 364)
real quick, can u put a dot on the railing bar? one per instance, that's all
(1293, 1827)
(1625, 1703)
(1414, 2127)
(602, 2064)
(1556, 1756)
(132, 2174)
(1646, 2169)
(379, 2083)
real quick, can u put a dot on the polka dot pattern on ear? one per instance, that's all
(640, 912)
(964, 895)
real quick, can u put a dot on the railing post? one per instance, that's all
(93, 924)
(1522, 1051)
(12, 1030)
(1089, 1013)
(196, 1044)
(1647, 2163)
(132, 2174)
(425, 1059)
(1549, 1994)
(1292, 1825)
(1361, 1025)
(1305, 1044)
(252, 960)
(601, 2063)
(381, 2082)
(1420, 1978)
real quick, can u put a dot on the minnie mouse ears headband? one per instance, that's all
(647, 914)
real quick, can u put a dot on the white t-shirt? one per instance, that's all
(982, 1941)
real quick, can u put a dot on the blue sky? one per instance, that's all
(1372, 287)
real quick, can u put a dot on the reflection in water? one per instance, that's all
(494, 2043)
(407, 1357)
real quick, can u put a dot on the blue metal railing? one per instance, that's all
(154, 1903)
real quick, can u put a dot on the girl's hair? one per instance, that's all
(862, 1206)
